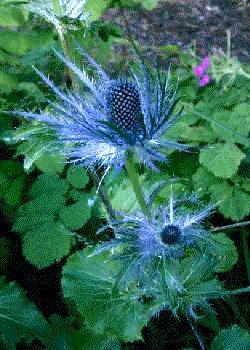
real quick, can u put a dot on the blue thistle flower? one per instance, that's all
(142, 242)
(118, 115)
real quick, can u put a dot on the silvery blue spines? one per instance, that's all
(115, 116)
(142, 242)
(73, 9)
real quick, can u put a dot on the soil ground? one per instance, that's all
(204, 23)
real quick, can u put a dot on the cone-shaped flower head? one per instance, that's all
(144, 242)
(123, 106)
(114, 116)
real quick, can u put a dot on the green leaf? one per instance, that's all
(48, 183)
(124, 198)
(40, 217)
(33, 149)
(14, 194)
(233, 120)
(76, 215)
(233, 203)
(203, 106)
(11, 168)
(38, 140)
(5, 255)
(148, 4)
(49, 203)
(10, 17)
(227, 133)
(98, 209)
(89, 282)
(7, 81)
(32, 220)
(18, 317)
(232, 338)
(77, 176)
(227, 252)
(199, 282)
(222, 160)
(31, 89)
(95, 8)
(5, 123)
(23, 132)
(203, 179)
(16, 43)
(51, 163)
(176, 187)
(240, 119)
(194, 133)
(93, 340)
(61, 337)
(47, 244)
(4, 184)
(43, 209)
(237, 207)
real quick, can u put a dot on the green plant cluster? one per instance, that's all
(56, 209)
(59, 206)
(221, 168)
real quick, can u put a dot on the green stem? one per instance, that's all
(65, 46)
(134, 179)
(246, 253)
(216, 122)
(228, 32)
(239, 224)
(94, 177)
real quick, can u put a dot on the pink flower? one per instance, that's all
(199, 71)
(204, 80)
(206, 62)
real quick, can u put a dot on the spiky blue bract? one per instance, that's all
(115, 115)
(142, 242)
(53, 11)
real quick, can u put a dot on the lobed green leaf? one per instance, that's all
(46, 244)
(222, 160)
(18, 317)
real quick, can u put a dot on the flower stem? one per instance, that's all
(65, 46)
(104, 197)
(196, 334)
(246, 252)
(239, 224)
(134, 179)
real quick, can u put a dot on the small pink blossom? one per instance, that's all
(199, 71)
(206, 62)
(204, 80)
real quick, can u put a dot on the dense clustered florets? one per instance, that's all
(123, 106)
(170, 234)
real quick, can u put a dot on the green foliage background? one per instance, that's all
(52, 206)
